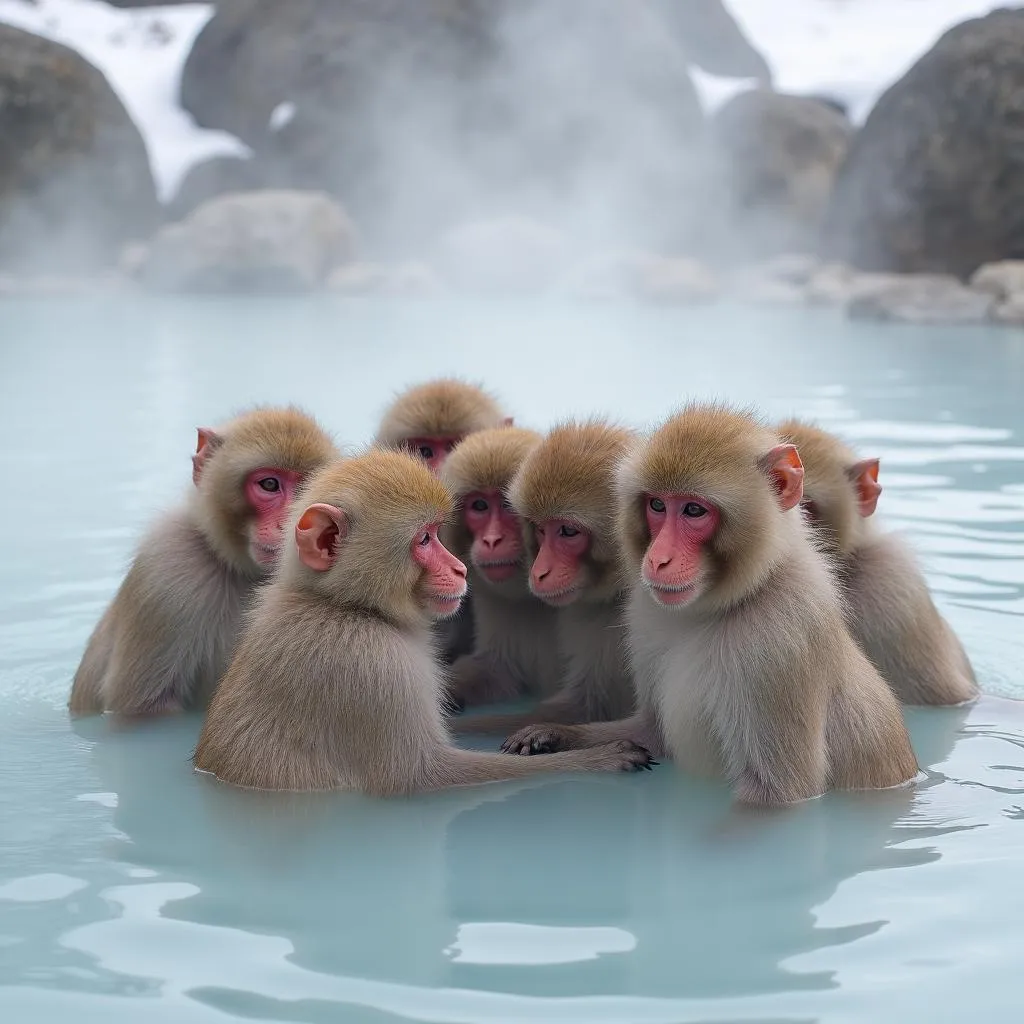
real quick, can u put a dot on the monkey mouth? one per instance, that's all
(558, 598)
(499, 571)
(445, 605)
(672, 595)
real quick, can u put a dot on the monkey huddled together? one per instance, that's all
(714, 592)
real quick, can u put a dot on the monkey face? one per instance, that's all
(442, 583)
(561, 571)
(497, 548)
(433, 450)
(680, 525)
(268, 492)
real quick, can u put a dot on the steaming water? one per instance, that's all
(131, 889)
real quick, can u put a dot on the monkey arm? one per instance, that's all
(475, 679)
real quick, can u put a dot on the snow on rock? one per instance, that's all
(141, 53)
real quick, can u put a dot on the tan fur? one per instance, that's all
(756, 678)
(889, 609)
(168, 634)
(571, 475)
(439, 408)
(334, 684)
(516, 647)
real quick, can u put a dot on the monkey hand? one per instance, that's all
(620, 756)
(543, 739)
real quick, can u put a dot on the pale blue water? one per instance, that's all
(133, 890)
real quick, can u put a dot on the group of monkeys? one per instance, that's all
(714, 592)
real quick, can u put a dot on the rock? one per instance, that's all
(214, 177)
(779, 156)
(75, 180)
(835, 284)
(271, 240)
(1011, 311)
(678, 280)
(470, 101)
(772, 293)
(1003, 279)
(506, 255)
(403, 279)
(132, 261)
(921, 299)
(934, 181)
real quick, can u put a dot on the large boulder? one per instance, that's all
(264, 241)
(777, 159)
(215, 176)
(420, 114)
(75, 179)
(934, 181)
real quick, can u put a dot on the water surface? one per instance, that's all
(132, 889)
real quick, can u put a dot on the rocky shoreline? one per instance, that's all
(387, 140)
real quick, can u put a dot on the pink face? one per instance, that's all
(497, 541)
(680, 526)
(433, 450)
(443, 583)
(556, 574)
(269, 492)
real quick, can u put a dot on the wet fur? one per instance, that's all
(335, 684)
(168, 634)
(758, 679)
(889, 609)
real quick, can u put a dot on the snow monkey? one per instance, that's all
(429, 420)
(889, 609)
(334, 683)
(743, 665)
(164, 641)
(516, 649)
(565, 492)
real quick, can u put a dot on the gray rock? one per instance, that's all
(921, 300)
(934, 180)
(216, 176)
(778, 156)
(421, 113)
(1010, 311)
(678, 280)
(272, 240)
(1003, 279)
(75, 179)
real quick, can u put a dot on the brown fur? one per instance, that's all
(516, 648)
(167, 636)
(571, 475)
(889, 609)
(756, 678)
(446, 407)
(334, 684)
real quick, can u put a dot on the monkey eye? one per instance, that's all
(424, 539)
(657, 505)
(692, 510)
(270, 484)
(568, 531)
(426, 452)
(479, 505)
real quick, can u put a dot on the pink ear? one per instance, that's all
(318, 533)
(508, 421)
(207, 443)
(786, 470)
(864, 475)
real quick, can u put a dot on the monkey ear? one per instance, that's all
(508, 421)
(207, 443)
(783, 466)
(864, 475)
(319, 531)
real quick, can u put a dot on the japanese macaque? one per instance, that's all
(167, 637)
(742, 662)
(565, 492)
(515, 652)
(429, 420)
(889, 609)
(334, 683)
